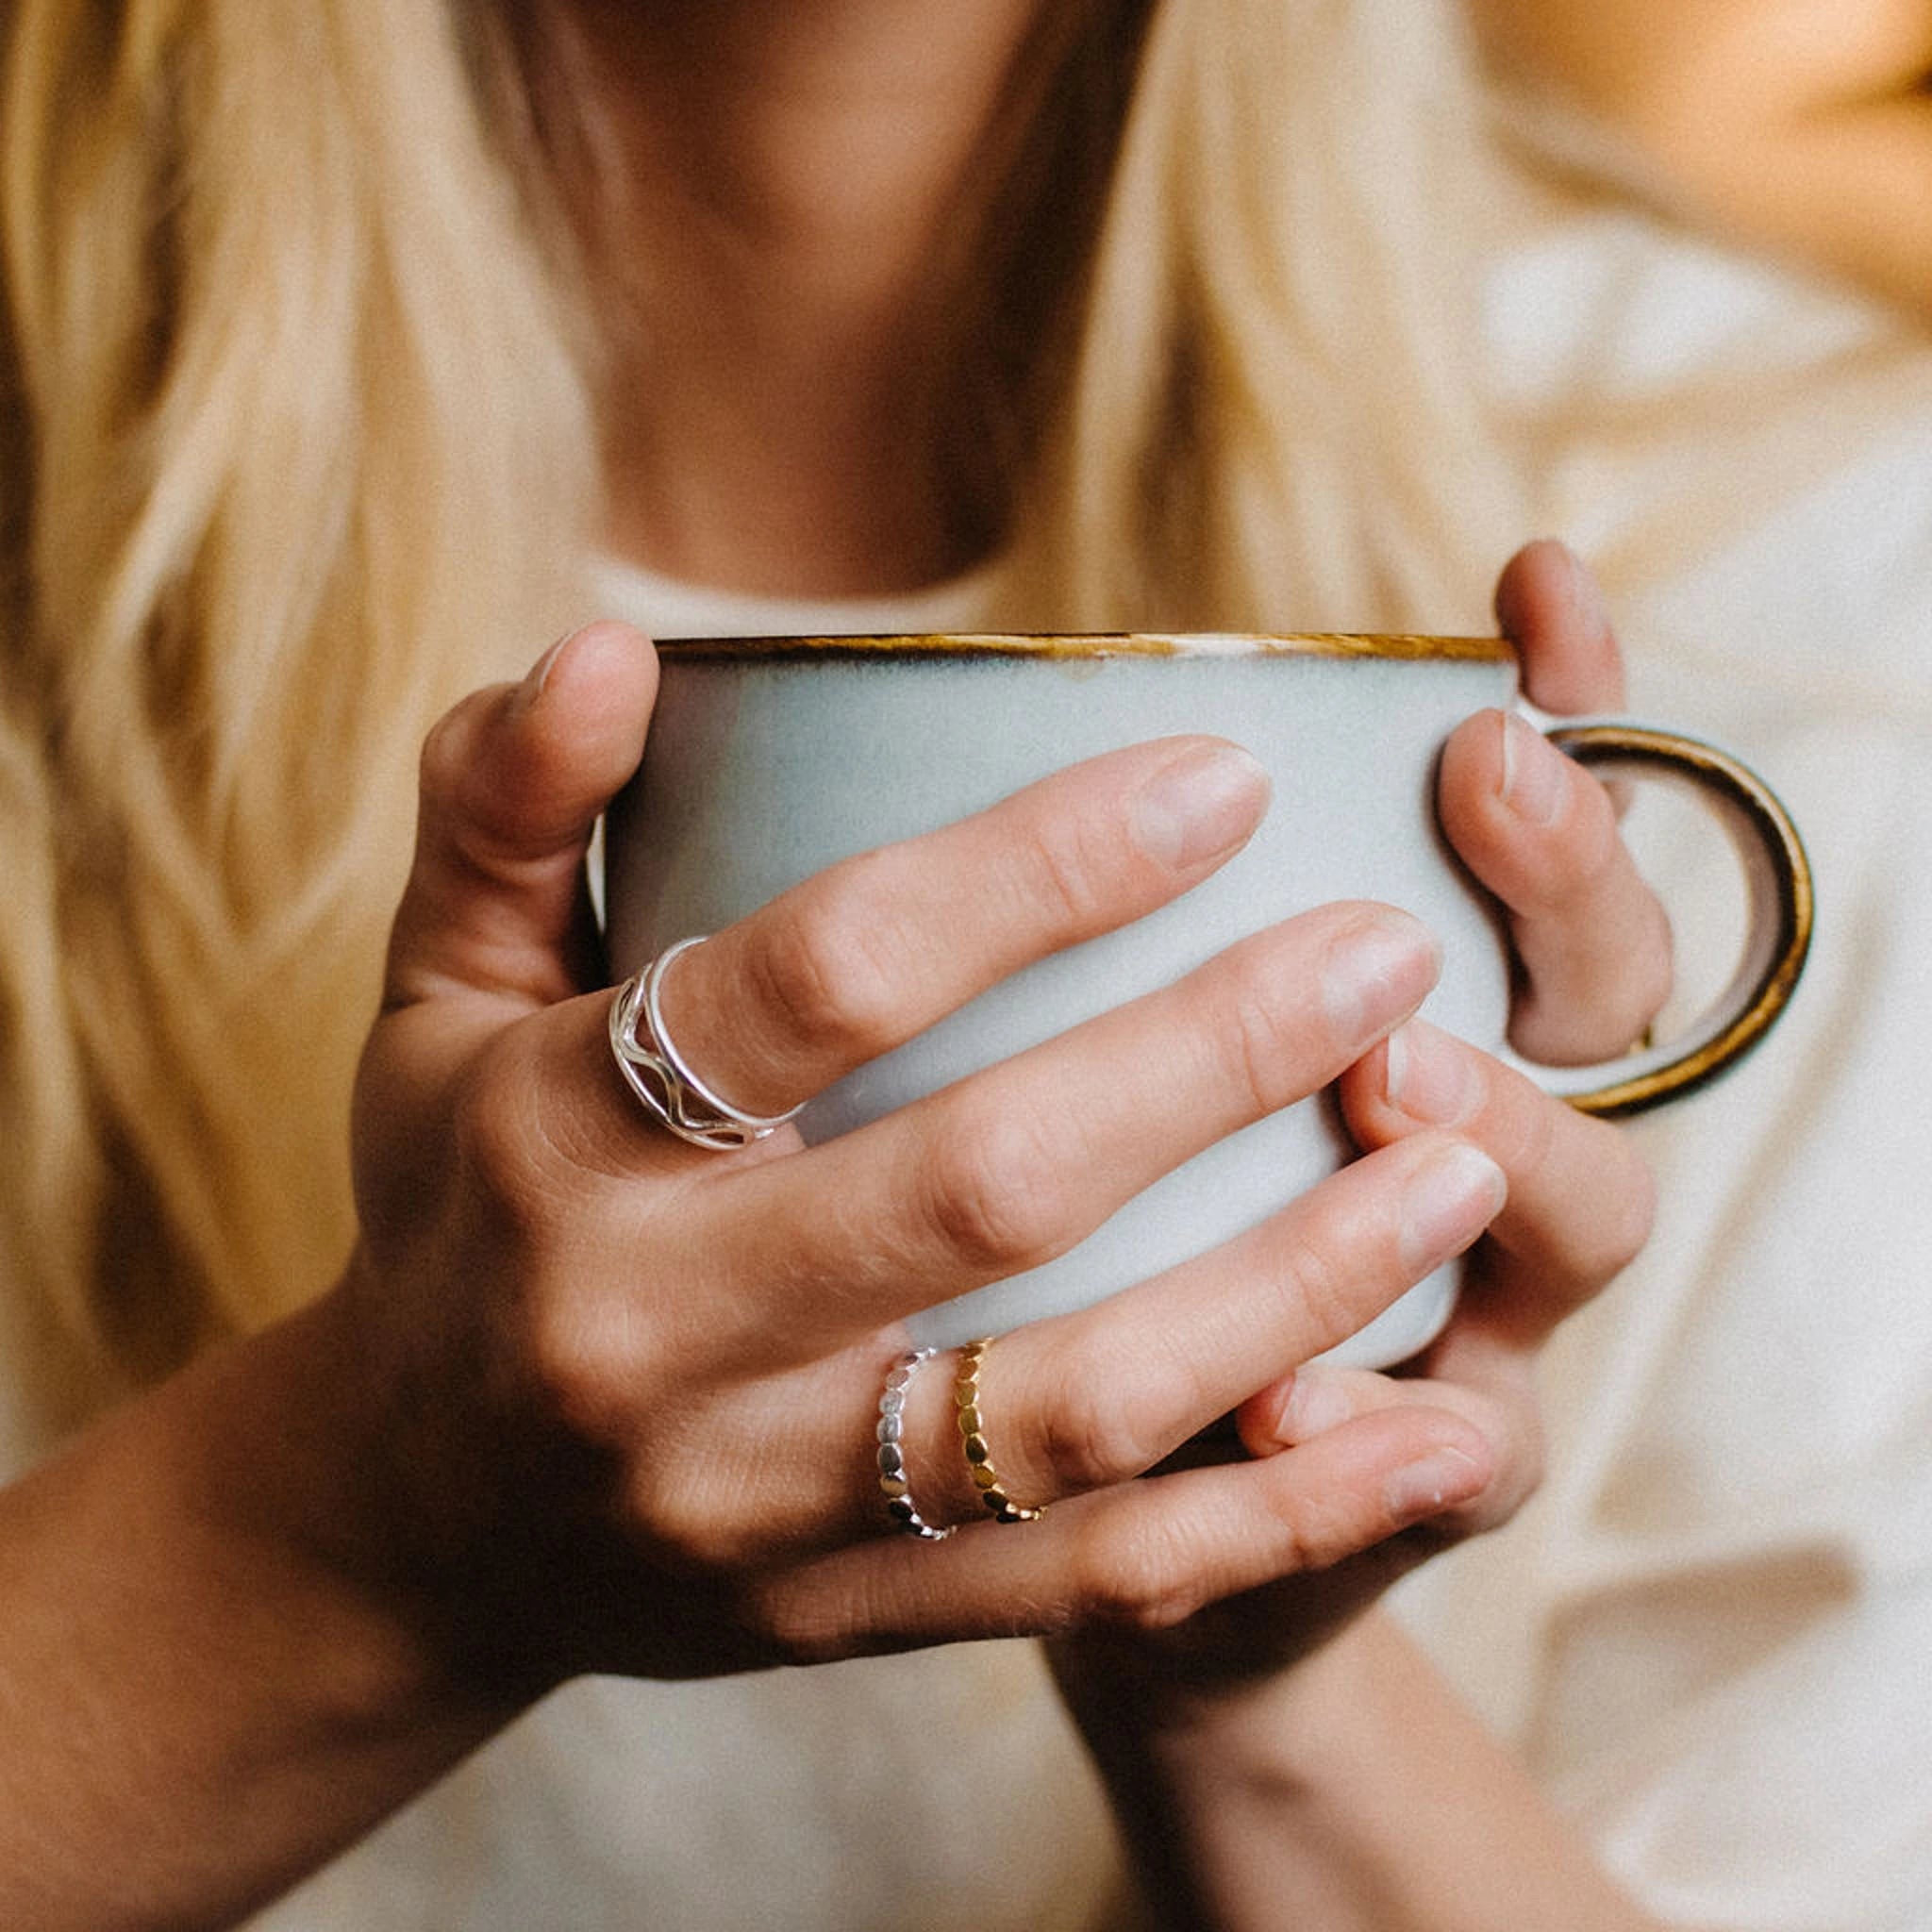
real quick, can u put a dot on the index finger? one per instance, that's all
(842, 968)
(1581, 1197)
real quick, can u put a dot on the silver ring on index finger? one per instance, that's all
(673, 1094)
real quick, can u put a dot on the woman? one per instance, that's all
(342, 349)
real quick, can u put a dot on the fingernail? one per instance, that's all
(1535, 774)
(538, 673)
(1448, 1202)
(1585, 595)
(1378, 973)
(1199, 806)
(1315, 1402)
(1428, 1077)
(1433, 1483)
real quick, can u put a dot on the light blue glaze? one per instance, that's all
(762, 771)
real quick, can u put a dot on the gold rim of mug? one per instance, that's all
(1408, 646)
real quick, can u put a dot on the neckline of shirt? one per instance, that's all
(668, 607)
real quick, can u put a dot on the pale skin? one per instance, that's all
(588, 1399)
(1803, 127)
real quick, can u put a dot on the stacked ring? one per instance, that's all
(978, 1456)
(662, 1079)
(892, 1450)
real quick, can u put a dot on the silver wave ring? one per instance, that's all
(662, 1078)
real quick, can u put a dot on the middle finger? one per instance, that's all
(1087, 1400)
(1010, 1167)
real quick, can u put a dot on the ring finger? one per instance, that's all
(1087, 1400)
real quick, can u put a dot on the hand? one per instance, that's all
(619, 1393)
(1592, 947)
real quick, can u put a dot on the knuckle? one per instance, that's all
(1592, 1248)
(1530, 1467)
(1520, 1126)
(1586, 861)
(1326, 1293)
(497, 1136)
(804, 1636)
(689, 1527)
(1626, 973)
(1315, 1532)
(991, 1190)
(445, 756)
(797, 1619)
(1068, 870)
(569, 1365)
(583, 1360)
(1630, 1210)
(1261, 1039)
(823, 972)
(532, 1155)
(1138, 1582)
(1592, 828)
(1089, 1439)
(1653, 971)
(1518, 1478)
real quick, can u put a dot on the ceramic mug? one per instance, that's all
(772, 757)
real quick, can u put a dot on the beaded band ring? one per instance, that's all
(978, 1456)
(892, 1451)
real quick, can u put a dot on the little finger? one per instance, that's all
(1142, 1556)
(1087, 1400)
(1489, 1382)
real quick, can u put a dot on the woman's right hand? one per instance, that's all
(621, 1392)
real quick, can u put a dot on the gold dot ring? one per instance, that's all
(978, 1456)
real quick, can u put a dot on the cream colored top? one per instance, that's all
(1709, 1633)
(1708, 1636)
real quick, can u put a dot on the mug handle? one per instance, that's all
(1778, 875)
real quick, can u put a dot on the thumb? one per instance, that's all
(512, 781)
(1549, 607)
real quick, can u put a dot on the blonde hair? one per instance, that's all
(1274, 419)
(304, 430)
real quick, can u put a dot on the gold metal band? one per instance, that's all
(978, 1456)
(1408, 646)
(1789, 922)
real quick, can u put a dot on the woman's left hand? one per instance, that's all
(1593, 952)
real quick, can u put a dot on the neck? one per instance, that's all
(782, 196)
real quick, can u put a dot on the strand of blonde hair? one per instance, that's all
(308, 449)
